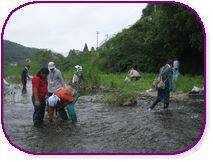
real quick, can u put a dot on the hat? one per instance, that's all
(77, 66)
(51, 65)
(52, 100)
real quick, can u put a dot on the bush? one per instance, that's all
(119, 97)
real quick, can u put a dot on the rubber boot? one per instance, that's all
(24, 89)
(165, 106)
(154, 104)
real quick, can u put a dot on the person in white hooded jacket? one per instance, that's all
(55, 79)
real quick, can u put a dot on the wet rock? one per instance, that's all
(130, 102)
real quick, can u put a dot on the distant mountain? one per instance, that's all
(14, 52)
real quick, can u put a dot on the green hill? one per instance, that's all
(14, 52)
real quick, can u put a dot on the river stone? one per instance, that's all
(131, 101)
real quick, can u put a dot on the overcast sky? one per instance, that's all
(61, 27)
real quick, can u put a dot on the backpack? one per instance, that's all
(158, 83)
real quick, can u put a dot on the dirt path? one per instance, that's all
(102, 128)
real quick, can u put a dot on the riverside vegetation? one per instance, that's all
(112, 84)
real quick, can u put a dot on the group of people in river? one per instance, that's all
(49, 90)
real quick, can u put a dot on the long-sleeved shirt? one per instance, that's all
(166, 72)
(55, 80)
(24, 75)
(66, 94)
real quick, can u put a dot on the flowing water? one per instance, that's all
(105, 129)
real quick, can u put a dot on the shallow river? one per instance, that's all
(104, 128)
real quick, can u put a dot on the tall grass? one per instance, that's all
(117, 81)
(119, 97)
(93, 77)
(91, 80)
(186, 83)
(182, 85)
(124, 90)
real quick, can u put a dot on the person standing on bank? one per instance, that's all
(39, 88)
(55, 82)
(164, 93)
(175, 69)
(24, 77)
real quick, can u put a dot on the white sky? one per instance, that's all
(61, 27)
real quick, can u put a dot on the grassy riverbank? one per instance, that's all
(127, 90)
(113, 85)
(119, 91)
(114, 81)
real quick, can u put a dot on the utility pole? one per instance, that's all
(97, 32)
(107, 35)
(155, 8)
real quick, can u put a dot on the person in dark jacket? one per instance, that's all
(164, 94)
(24, 77)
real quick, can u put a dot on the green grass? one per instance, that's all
(96, 78)
(124, 90)
(13, 74)
(116, 81)
(118, 97)
(184, 84)
(120, 90)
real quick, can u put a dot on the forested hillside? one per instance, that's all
(163, 32)
(36, 58)
(14, 52)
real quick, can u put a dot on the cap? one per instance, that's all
(77, 66)
(52, 100)
(51, 65)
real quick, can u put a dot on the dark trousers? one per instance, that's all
(163, 94)
(70, 110)
(24, 89)
(39, 111)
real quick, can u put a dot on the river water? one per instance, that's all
(105, 129)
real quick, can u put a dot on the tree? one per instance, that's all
(164, 31)
(85, 48)
(71, 52)
(92, 49)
